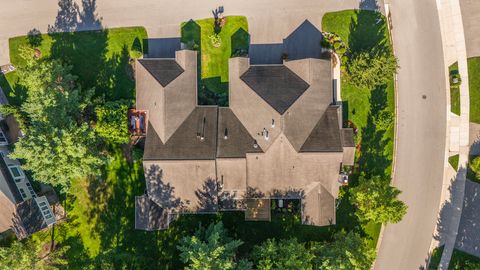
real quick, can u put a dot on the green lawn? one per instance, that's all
(213, 61)
(461, 260)
(471, 175)
(99, 58)
(453, 160)
(371, 111)
(474, 85)
(454, 92)
(435, 258)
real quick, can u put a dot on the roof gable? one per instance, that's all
(163, 70)
(325, 136)
(277, 85)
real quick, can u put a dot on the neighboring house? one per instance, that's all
(280, 138)
(22, 211)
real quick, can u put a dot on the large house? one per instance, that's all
(23, 211)
(281, 138)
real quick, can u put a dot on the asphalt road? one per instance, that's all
(421, 133)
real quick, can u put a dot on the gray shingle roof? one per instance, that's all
(325, 136)
(347, 137)
(186, 142)
(238, 142)
(277, 85)
(148, 215)
(9, 179)
(163, 70)
(31, 218)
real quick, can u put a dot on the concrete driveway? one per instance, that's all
(471, 26)
(421, 133)
(468, 238)
(269, 21)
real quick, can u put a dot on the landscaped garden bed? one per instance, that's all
(455, 82)
(215, 46)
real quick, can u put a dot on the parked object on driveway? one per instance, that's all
(6, 68)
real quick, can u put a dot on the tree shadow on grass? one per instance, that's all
(122, 245)
(240, 42)
(368, 33)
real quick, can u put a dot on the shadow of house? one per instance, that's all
(162, 47)
(303, 42)
(240, 41)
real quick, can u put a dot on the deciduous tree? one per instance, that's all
(112, 122)
(377, 201)
(58, 144)
(347, 251)
(371, 69)
(209, 248)
(282, 254)
(19, 256)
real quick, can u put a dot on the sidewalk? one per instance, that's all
(453, 37)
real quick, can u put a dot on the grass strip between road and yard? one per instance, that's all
(454, 91)
(474, 86)
(453, 160)
(370, 111)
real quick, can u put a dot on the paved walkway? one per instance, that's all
(269, 21)
(471, 19)
(468, 239)
(455, 50)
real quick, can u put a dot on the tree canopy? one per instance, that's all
(347, 251)
(19, 256)
(282, 254)
(58, 144)
(112, 122)
(377, 201)
(210, 248)
(371, 69)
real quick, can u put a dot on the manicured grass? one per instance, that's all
(213, 61)
(471, 175)
(435, 258)
(454, 91)
(100, 59)
(474, 85)
(461, 260)
(453, 160)
(365, 31)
